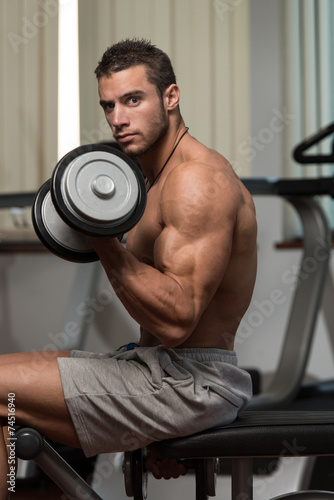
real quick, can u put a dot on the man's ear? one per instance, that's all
(172, 97)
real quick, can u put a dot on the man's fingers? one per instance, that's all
(166, 469)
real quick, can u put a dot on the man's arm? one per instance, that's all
(191, 254)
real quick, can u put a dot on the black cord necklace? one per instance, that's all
(169, 157)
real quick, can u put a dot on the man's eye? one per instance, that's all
(108, 108)
(134, 100)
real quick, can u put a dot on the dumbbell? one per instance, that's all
(95, 190)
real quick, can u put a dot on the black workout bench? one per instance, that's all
(254, 434)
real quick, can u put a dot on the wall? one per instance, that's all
(262, 346)
(28, 93)
(39, 311)
(35, 288)
(208, 45)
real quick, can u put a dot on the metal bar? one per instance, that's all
(201, 479)
(242, 478)
(290, 187)
(16, 200)
(63, 475)
(309, 286)
(327, 306)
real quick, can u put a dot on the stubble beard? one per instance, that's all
(156, 130)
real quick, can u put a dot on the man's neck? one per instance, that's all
(153, 160)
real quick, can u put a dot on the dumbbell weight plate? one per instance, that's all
(58, 237)
(135, 475)
(98, 190)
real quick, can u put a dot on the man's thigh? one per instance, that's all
(35, 357)
(39, 400)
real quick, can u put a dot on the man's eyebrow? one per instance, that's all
(104, 103)
(133, 92)
(123, 96)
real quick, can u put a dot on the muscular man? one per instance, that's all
(186, 276)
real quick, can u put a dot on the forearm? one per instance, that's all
(155, 300)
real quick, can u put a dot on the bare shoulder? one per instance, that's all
(208, 187)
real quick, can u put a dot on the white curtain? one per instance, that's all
(207, 40)
(308, 72)
(208, 43)
(28, 95)
(28, 92)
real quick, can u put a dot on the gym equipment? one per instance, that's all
(95, 190)
(300, 157)
(253, 434)
(261, 431)
(55, 234)
(135, 475)
(10, 200)
(30, 445)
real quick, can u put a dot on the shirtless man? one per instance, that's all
(186, 276)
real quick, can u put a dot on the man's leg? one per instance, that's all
(35, 357)
(39, 400)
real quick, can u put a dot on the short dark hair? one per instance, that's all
(133, 52)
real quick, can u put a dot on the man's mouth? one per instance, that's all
(124, 137)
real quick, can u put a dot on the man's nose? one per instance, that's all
(120, 117)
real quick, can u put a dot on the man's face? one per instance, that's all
(133, 109)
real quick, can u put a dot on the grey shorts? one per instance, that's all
(127, 399)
